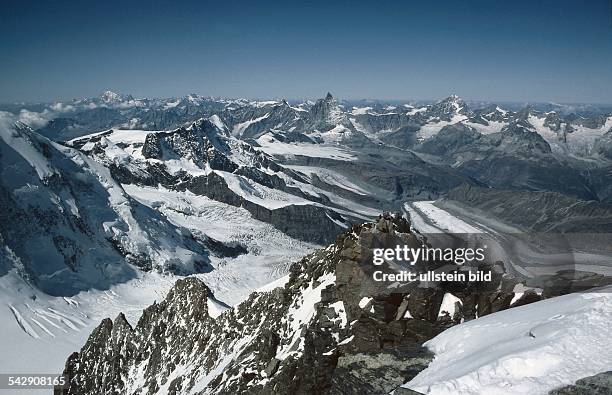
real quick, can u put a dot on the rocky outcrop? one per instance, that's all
(599, 384)
(331, 329)
(445, 109)
(201, 143)
(325, 114)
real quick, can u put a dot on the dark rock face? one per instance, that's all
(445, 109)
(152, 146)
(115, 345)
(598, 180)
(458, 140)
(599, 384)
(330, 330)
(493, 113)
(324, 115)
(200, 143)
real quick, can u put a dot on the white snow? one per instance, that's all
(172, 104)
(300, 313)
(271, 146)
(21, 143)
(127, 136)
(280, 283)
(360, 110)
(347, 340)
(269, 251)
(333, 136)
(431, 129)
(449, 305)
(364, 302)
(443, 221)
(259, 194)
(331, 177)
(579, 142)
(520, 289)
(39, 331)
(264, 103)
(215, 308)
(493, 127)
(350, 207)
(551, 137)
(529, 349)
(414, 111)
(340, 312)
(239, 128)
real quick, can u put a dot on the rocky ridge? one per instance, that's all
(329, 329)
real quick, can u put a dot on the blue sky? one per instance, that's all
(490, 50)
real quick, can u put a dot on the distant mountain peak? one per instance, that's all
(449, 106)
(109, 96)
(452, 99)
(212, 123)
(329, 97)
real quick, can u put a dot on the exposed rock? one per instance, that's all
(312, 336)
(599, 384)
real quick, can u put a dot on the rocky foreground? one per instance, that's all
(329, 329)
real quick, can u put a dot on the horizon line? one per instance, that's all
(303, 99)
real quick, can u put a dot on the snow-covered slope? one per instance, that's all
(68, 225)
(530, 349)
(40, 330)
(74, 243)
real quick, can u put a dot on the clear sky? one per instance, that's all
(536, 50)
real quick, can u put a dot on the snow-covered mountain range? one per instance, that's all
(568, 129)
(107, 201)
(551, 148)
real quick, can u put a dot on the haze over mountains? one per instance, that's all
(115, 195)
